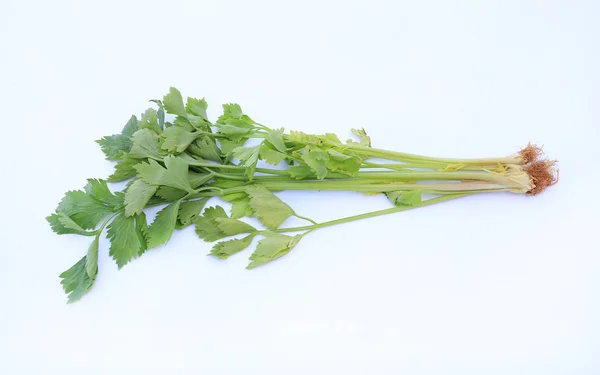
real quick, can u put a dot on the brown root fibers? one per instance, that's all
(543, 172)
(531, 153)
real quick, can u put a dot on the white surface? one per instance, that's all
(499, 284)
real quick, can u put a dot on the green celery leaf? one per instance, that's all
(300, 172)
(125, 244)
(149, 121)
(241, 208)
(205, 147)
(231, 227)
(184, 123)
(225, 249)
(145, 145)
(232, 110)
(173, 103)
(248, 157)
(270, 210)
(239, 123)
(170, 193)
(130, 127)
(197, 107)
(160, 114)
(161, 229)
(91, 263)
(177, 139)
(198, 179)
(158, 102)
(141, 230)
(123, 170)
(270, 155)
(174, 175)
(227, 146)
(207, 227)
(317, 160)
(338, 162)
(405, 198)
(275, 137)
(98, 189)
(234, 133)
(273, 246)
(331, 139)
(189, 210)
(240, 204)
(137, 196)
(303, 138)
(364, 139)
(233, 115)
(75, 281)
(83, 209)
(114, 145)
(233, 196)
(63, 224)
(199, 123)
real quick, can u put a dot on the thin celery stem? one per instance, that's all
(370, 214)
(402, 156)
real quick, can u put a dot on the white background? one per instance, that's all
(494, 284)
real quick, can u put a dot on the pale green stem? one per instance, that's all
(369, 214)
(402, 156)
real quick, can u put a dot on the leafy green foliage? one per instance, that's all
(177, 139)
(225, 249)
(235, 132)
(137, 196)
(76, 281)
(214, 224)
(205, 147)
(227, 146)
(125, 243)
(207, 227)
(303, 138)
(270, 210)
(275, 138)
(300, 172)
(98, 189)
(145, 145)
(130, 127)
(123, 170)
(115, 145)
(189, 210)
(161, 229)
(141, 230)
(170, 194)
(175, 157)
(405, 198)
(248, 157)
(173, 103)
(91, 261)
(364, 139)
(198, 179)
(273, 246)
(61, 223)
(317, 160)
(344, 163)
(149, 121)
(270, 154)
(82, 209)
(231, 111)
(197, 107)
(173, 174)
